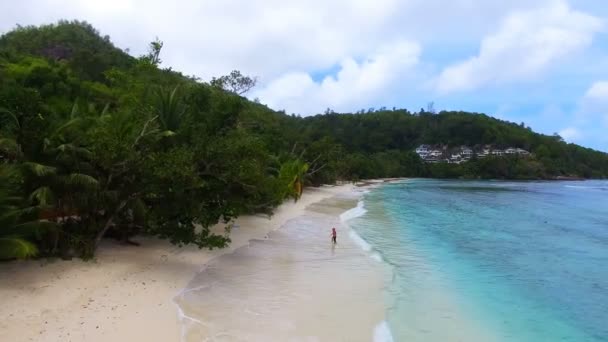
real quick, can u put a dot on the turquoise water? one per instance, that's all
(490, 260)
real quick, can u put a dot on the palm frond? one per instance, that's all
(11, 116)
(105, 110)
(10, 146)
(73, 149)
(74, 110)
(16, 225)
(46, 143)
(42, 196)
(170, 108)
(80, 179)
(35, 228)
(15, 247)
(292, 175)
(66, 125)
(39, 170)
(31, 211)
(166, 134)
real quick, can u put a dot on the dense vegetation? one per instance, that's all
(96, 143)
(380, 144)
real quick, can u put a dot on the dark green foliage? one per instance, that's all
(367, 138)
(76, 43)
(105, 144)
(20, 226)
(235, 82)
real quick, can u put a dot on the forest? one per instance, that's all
(97, 143)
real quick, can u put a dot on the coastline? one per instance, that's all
(126, 293)
(293, 284)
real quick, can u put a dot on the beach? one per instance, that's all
(129, 293)
(292, 285)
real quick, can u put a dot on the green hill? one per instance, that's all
(95, 143)
(374, 134)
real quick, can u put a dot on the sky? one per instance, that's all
(542, 62)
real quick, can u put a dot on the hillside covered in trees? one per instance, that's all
(95, 143)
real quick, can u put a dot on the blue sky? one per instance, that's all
(543, 62)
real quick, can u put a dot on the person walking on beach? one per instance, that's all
(333, 235)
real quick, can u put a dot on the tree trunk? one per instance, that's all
(108, 224)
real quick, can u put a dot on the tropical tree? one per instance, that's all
(235, 82)
(170, 109)
(291, 176)
(20, 226)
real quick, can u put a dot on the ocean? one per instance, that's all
(489, 260)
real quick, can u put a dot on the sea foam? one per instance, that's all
(382, 333)
(358, 240)
(355, 212)
(352, 213)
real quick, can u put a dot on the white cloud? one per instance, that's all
(594, 105)
(526, 44)
(598, 91)
(355, 84)
(271, 39)
(589, 121)
(570, 134)
(211, 37)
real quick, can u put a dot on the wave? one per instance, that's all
(382, 333)
(183, 318)
(586, 187)
(359, 241)
(355, 212)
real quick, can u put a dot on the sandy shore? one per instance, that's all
(126, 293)
(293, 285)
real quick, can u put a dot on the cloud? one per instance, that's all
(209, 38)
(570, 134)
(588, 122)
(526, 44)
(353, 86)
(268, 38)
(594, 104)
(598, 91)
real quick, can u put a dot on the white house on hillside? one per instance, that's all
(423, 149)
(462, 154)
(466, 152)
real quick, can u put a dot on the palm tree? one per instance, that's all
(291, 176)
(170, 109)
(58, 178)
(61, 177)
(19, 225)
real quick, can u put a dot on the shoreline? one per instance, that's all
(291, 285)
(126, 292)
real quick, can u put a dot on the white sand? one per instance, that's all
(126, 294)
